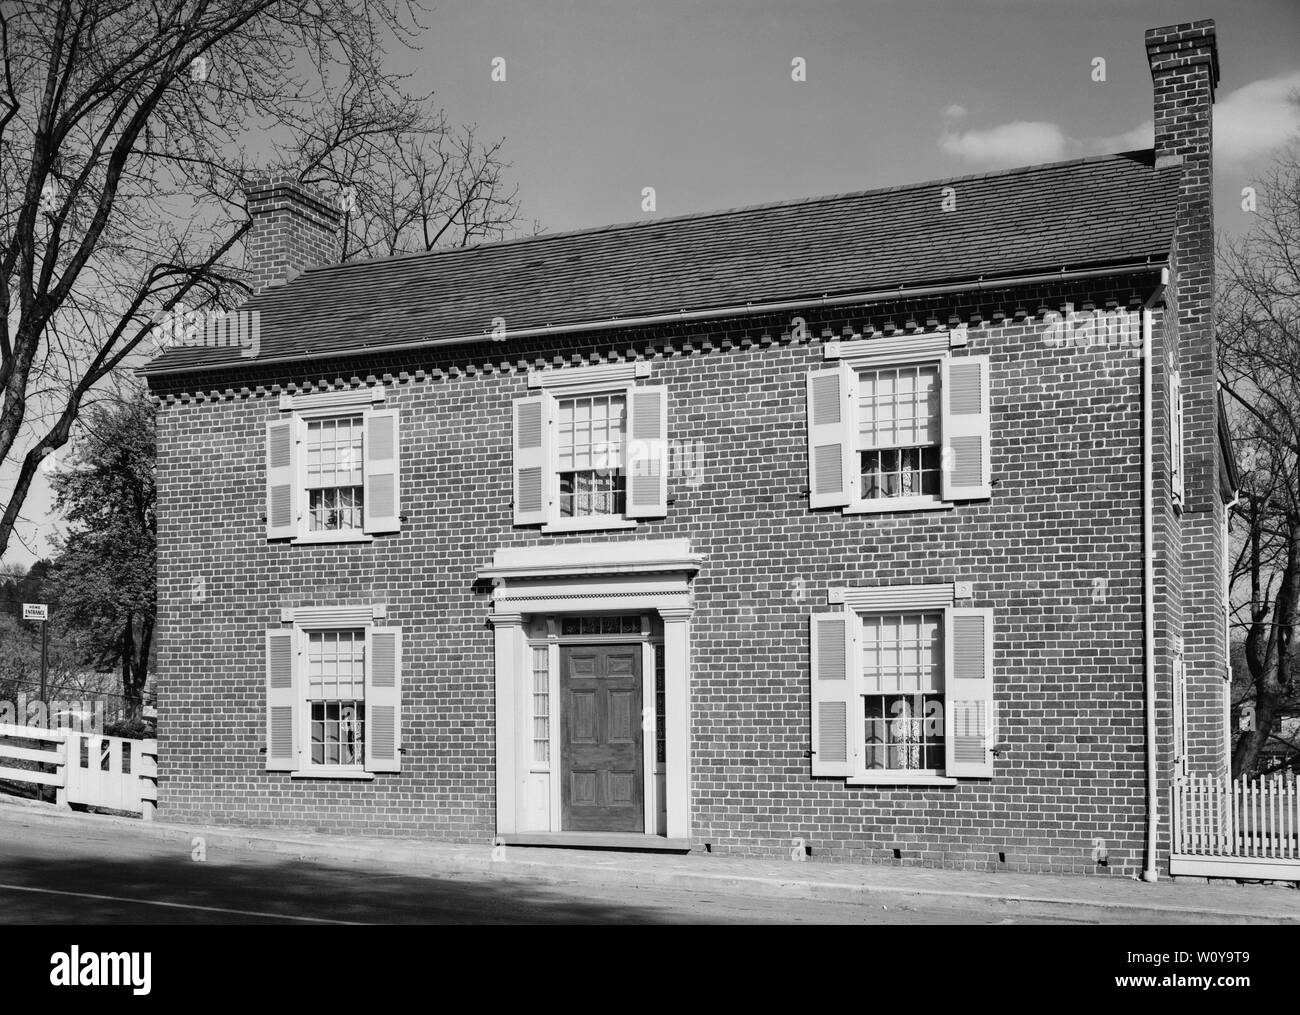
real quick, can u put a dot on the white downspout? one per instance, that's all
(1150, 874)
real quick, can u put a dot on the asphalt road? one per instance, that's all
(55, 875)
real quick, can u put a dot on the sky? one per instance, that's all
(696, 99)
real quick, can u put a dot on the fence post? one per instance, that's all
(61, 789)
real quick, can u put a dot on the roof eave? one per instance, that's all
(902, 291)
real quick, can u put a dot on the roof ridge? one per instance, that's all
(667, 220)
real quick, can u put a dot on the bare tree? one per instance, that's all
(418, 188)
(1259, 339)
(127, 128)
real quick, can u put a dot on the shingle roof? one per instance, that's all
(1113, 209)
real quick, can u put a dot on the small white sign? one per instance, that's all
(36, 611)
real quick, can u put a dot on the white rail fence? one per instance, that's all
(99, 771)
(1236, 828)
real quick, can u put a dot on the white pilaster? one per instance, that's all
(508, 628)
(677, 721)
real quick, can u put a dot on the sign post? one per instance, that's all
(41, 612)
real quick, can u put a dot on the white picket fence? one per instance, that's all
(90, 769)
(1242, 828)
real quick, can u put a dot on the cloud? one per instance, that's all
(1020, 143)
(1250, 121)
(1141, 136)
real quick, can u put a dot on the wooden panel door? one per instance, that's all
(602, 768)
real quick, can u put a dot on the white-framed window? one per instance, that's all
(591, 456)
(590, 432)
(899, 447)
(333, 479)
(333, 693)
(893, 433)
(333, 468)
(335, 697)
(902, 694)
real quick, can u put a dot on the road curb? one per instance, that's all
(515, 862)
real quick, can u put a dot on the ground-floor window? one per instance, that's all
(336, 676)
(333, 695)
(902, 692)
(902, 677)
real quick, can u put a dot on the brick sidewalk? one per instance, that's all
(1126, 900)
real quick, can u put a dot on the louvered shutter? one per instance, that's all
(647, 452)
(830, 439)
(966, 465)
(382, 467)
(281, 701)
(968, 692)
(383, 731)
(532, 459)
(281, 499)
(833, 702)
(1176, 436)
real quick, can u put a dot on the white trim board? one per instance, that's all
(350, 398)
(932, 595)
(892, 350)
(590, 377)
(330, 616)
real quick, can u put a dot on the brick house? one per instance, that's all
(860, 520)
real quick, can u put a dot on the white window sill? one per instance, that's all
(900, 779)
(590, 524)
(889, 505)
(333, 537)
(325, 773)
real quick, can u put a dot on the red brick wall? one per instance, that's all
(1065, 513)
(293, 229)
(1184, 70)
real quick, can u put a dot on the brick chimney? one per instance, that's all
(1185, 70)
(293, 229)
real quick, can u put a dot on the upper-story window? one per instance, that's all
(899, 446)
(590, 449)
(333, 467)
(334, 481)
(590, 432)
(892, 427)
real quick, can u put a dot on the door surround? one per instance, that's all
(643, 576)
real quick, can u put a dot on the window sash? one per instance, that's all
(588, 458)
(900, 689)
(898, 407)
(334, 698)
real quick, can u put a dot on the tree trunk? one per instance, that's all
(132, 696)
